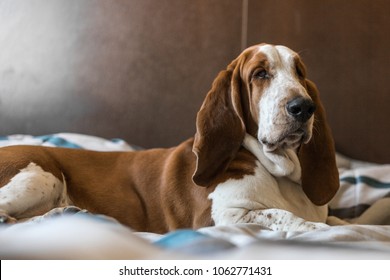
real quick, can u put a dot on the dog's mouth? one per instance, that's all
(288, 140)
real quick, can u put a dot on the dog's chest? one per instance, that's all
(262, 191)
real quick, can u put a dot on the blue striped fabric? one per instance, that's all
(194, 242)
(366, 180)
(359, 189)
(69, 140)
(58, 141)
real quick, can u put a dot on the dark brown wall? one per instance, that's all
(139, 70)
(345, 45)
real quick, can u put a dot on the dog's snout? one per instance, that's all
(301, 109)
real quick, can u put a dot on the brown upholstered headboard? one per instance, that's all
(139, 70)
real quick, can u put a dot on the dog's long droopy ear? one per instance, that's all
(320, 178)
(220, 127)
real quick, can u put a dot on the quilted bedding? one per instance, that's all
(73, 233)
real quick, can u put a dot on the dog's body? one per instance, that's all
(260, 155)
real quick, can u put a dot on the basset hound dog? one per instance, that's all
(262, 153)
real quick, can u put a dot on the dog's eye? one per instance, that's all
(261, 74)
(300, 72)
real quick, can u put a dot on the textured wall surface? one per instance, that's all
(345, 45)
(139, 70)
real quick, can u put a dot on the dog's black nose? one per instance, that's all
(300, 108)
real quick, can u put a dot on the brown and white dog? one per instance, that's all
(263, 153)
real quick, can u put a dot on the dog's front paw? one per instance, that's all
(307, 226)
(282, 220)
(297, 225)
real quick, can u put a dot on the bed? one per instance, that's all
(100, 75)
(74, 233)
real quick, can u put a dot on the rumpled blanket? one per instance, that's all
(73, 233)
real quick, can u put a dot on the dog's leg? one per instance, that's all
(31, 192)
(282, 220)
(335, 221)
(274, 219)
(377, 214)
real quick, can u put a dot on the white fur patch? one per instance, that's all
(284, 86)
(273, 189)
(278, 163)
(31, 192)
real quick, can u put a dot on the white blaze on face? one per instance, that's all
(284, 85)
